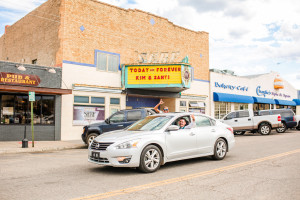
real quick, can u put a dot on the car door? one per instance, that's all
(116, 122)
(244, 120)
(181, 143)
(205, 131)
(231, 120)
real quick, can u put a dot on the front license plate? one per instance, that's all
(96, 154)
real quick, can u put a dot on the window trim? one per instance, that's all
(106, 52)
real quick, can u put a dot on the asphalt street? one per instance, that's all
(259, 167)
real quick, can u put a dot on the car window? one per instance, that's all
(231, 116)
(287, 113)
(134, 115)
(202, 121)
(118, 117)
(213, 122)
(242, 114)
(187, 119)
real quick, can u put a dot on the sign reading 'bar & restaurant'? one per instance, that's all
(19, 79)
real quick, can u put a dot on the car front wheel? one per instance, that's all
(220, 149)
(150, 159)
(90, 138)
(281, 129)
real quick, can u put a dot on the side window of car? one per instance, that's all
(134, 115)
(118, 117)
(202, 121)
(231, 115)
(242, 114)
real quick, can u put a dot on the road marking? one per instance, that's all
(183, 178)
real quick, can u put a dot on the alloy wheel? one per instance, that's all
(265, 130)
(152, 159)
(221, 148)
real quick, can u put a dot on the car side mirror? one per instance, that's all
(173, 128)
(107, 121)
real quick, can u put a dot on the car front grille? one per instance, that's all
(100, 145)
(99, 160)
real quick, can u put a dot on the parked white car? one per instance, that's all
(157, 139)
(245, 120)
(297, 117)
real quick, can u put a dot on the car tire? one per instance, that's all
(239, 132)
(282, 129)
(264, 129)
(150, 160)
(220, 149)
(90, 138)
(298, 127)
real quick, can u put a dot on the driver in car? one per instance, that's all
(182, 123)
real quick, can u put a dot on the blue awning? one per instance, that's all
(232, 98)
(285, 102)
(263, 100)
(297, 101)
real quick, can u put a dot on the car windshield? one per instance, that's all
(150, 123)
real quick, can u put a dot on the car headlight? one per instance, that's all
(128, 144)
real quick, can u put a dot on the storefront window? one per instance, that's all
(7, 109)
(47, 110)
(15, 109)
(222, 109)
(240, 106)
(261, 106)
(197, 106)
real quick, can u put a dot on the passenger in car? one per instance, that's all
(182, 123)
(165, 110)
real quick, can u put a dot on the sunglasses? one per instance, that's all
(166, 109)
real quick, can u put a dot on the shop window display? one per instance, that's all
(241, 106)
(222, 109)
(15, 109)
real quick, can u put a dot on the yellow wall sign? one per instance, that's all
(166, 74)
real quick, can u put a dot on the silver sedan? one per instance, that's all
(158, 139)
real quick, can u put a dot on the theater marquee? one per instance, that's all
(157, 76)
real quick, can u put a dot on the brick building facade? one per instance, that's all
(78, 35)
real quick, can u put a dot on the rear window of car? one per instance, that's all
(134, 115)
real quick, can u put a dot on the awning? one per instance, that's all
(297, 101)
(37, 90)
(285, 102)
(152, 93)
(232, 98)
(263, 100)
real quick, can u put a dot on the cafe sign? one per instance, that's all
(19, 79)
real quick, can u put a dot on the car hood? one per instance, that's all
(121, 135)
(97, 124)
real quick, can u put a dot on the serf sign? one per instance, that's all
(165, 74)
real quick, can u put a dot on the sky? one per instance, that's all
(246, 36)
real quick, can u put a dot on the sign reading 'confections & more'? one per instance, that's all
(19, 79)
(167, 74)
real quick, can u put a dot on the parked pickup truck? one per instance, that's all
(116, 121)
(244, 120)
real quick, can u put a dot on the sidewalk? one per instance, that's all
(39, 146)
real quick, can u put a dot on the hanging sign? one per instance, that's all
(19, 79)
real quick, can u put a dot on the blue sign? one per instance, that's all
(261, 92)
(231, 87)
